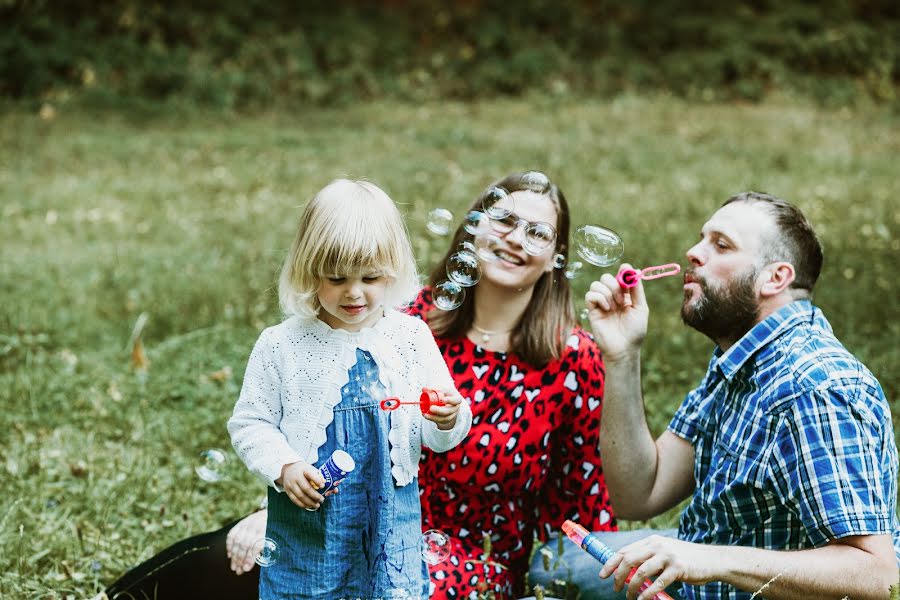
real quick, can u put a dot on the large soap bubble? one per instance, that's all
(598, 245)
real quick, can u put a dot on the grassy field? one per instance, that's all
(186, 218)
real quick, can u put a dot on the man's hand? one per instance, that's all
(662, 560)
(445, 416)
(618, 317)
(241, 543)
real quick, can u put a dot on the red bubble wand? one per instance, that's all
(428, 399)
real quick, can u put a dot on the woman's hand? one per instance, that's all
(445, 416)
(242, 541)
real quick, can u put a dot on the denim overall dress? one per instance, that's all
(366, 540)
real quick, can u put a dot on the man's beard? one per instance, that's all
(723, 313)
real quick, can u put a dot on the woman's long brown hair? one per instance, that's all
(541, 333)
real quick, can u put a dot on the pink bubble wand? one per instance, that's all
(628, 278)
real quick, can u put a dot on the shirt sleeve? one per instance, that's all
(576, 487)
(253, 425)
(687, 419)
(834, 466)
(420, 306)
(436, 375)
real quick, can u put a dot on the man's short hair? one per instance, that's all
(796, 241)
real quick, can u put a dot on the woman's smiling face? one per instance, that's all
(515, 268)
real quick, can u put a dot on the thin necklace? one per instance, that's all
(486, 335)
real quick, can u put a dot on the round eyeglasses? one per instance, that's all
(539, 236)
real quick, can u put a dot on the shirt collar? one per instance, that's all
(779, 322)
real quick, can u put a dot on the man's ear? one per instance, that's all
(777, 277)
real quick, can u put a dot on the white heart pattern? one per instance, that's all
(480, 371)
(515, 374)
(593, 403)
(531, 394)
(571, 383)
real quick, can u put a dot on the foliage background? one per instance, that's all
(153, 159)
(256, 53)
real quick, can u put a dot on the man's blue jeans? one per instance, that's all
(577, 567)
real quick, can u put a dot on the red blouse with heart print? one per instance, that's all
(530, 461)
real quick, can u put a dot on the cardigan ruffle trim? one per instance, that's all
(375, 340)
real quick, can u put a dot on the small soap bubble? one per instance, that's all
(535, 181)
(466, 246)
(598, 245)
(573, 269)
(437, 546)
(464, 269)
(559, 261)
(486, 247)
(439, 221)
(497, 203)
(476, 222)
(266, 551)
(212, 464)
(539, 237)
(448, 295)
(583, 315)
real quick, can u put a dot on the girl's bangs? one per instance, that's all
(348, 255)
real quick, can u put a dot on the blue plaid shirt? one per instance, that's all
(794, 444)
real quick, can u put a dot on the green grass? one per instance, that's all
(186, 217)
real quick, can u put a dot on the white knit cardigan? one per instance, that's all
(294, 379)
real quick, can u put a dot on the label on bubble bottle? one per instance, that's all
(336, 469)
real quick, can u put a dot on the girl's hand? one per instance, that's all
(300, 481)
(445, 416)
(241, 543)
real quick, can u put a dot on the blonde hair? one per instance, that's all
(349, 227)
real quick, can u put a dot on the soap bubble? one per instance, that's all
(559, 261)
(439, 221)
(490, 202)
(464, 269)
(583, 315)
(466, 246)
(538, 238)
(212, 463)
(535, 181)
(573, 270)
(598, 245)
(266, 551)
(437, 546)
(448, 295)
(476, 222)
(486, 247)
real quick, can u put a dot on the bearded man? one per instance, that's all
(786, 448)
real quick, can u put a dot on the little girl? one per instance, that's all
(313, 385)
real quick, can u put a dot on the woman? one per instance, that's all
(535, 383)
(534, 380)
